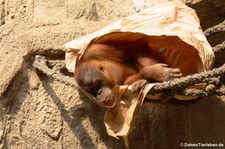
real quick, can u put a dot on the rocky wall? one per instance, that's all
(39, 112)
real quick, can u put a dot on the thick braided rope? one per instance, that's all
(197, 78)
(215, 29)
(219, 48)
(177, 85)
(174, 86)
(190, 80)
(40, 63)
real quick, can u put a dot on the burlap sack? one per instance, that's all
(171, 26)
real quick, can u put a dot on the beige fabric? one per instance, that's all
(172, 26)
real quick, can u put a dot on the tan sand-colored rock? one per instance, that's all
(39, 112)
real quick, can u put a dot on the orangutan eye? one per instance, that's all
(99, 91)
(101, 68)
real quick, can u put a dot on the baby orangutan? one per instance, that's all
(104, 66)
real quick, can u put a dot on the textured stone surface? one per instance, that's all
(39, 112)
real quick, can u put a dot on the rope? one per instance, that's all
(177, 86)
(219, 48)
(190, 80)
(40, 63)
(215, 29)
